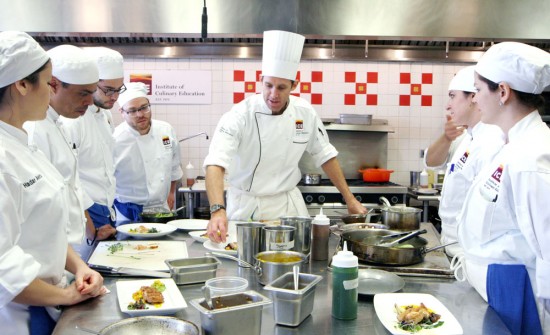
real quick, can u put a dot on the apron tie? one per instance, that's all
(458, 268)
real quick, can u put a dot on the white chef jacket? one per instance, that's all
(506, 216)
(33, 222)
(51, 138)
(145, 165)
(92, 134)
(476, 147)
(260, 152)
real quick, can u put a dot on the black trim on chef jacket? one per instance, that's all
(260, 157)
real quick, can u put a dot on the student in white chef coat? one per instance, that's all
(504, 226)
(260, 142)
(147, 158)
(464, 148)
(92, 133)
(33, 205)
(74, 80)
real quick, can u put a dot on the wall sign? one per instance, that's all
(175, 87)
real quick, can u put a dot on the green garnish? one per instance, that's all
(115, 247)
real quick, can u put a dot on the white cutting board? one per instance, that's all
(131, 257)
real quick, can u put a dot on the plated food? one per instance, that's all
(149, 297)
(200, 235)
(221, 247)
(146, 230)
(415, 313)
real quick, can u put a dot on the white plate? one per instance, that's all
(189, 224)
(219, 247)
(173, 300)
(384, 307)
(196, 235)
(162, 229)
(372, 281)
(427, 191)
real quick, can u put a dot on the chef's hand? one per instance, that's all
(217, 226)
(355, 207)
(89, 282)
(104, 232)
(171, 200)
(452, 130)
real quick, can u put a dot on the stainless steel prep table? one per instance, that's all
(462, 300)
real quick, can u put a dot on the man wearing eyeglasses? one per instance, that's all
(147, 158)
(92, 135)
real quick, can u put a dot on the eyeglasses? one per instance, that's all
(145, 109)
(110, 91)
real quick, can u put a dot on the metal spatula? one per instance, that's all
(402, 239)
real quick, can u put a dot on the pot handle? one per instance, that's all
(219, 254)
(385, 201)
(439, 247)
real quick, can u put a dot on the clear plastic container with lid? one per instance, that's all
(320, 233)
(345, 280)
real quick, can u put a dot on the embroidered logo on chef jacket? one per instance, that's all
(166, 142)
(490, 188)
(299, 125)
(462, 161)
(301, 135)
(32, 181)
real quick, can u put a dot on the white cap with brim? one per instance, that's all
(109, 62)
(133, 90)
(281, 54)
(525, 68)
(72, 65)
(20, 56)
(463, 80)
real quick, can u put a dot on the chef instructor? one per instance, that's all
(260, 141)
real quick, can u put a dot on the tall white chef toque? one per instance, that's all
(463, 80)
(525, 68)
(20, 56)
(133, 90)
(109, 62)
(281, 54)
(72, 65)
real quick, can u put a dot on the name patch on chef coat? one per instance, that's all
(299, 124)
(32, 181)
(166, 142)
(490, 188)
(462, 161)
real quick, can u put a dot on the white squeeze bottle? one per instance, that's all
(345, 280)
(319, 237)
(189, 172)
(424, 179)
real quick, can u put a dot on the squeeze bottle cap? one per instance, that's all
(189, 166)
(345, 258)
(321, 219)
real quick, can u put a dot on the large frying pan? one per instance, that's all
(364, 244)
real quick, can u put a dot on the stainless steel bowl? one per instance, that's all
(312, 179)
(147, 325)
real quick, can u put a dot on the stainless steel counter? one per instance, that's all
(462, 300)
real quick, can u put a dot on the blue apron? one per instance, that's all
(129, 210)
(510, 294)
(101, 215)
(40, 322)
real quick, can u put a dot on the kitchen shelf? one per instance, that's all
(381, 128)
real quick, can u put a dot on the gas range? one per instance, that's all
(327, 196)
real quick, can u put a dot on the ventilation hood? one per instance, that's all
(355, 30)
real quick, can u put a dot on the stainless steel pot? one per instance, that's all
(312, 179)
(401, 218)
(270, 265)
(364, 244)
(370, 217)
(146, 325)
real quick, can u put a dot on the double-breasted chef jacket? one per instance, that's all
(33, 221)
(260, 153)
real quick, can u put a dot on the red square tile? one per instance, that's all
(372, 99)
(305, 87)
(238, 97)
(316, 99)
(426, 101)
(250, 87)
(238, 75)
(258, 75)
(404, 78)
(372, 77)
(427, 78)
(360, 88)
(404, 100)
(416, 89)
(350, 77)
(317, 76)
(349, 99)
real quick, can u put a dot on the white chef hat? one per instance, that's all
(525, 68)
(109, 62)
(72, 65)
(20, 56)
(281, 54)
(133, 90)
(463, 80)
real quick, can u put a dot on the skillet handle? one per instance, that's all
(439, 247)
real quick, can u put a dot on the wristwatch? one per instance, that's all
(216, 207)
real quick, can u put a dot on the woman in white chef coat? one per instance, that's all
(465, 147)
(34, 248)
(146, 156)
(504, 224)
(260, 142)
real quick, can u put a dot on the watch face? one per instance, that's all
(214, 208)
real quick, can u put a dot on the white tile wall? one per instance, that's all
(415, 126)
